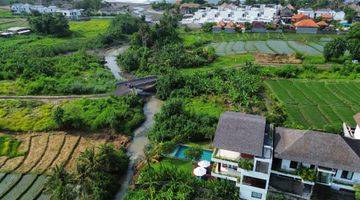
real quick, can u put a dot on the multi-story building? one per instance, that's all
(243, 153)
(259, 158)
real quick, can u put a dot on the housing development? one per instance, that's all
(180, 100)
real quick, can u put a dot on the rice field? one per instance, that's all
(268, 47)
(317, 105)
(24, 177)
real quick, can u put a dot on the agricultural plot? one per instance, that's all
(303, 48)
(267, 47)
(318, 105)
(24, 177)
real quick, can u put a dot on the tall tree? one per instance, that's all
(50, 24)
(61, 184)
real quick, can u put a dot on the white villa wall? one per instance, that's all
(355, 178)
(285, 164)
(357, 132)
(246, 191)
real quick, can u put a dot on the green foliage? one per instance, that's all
(239, 86)
(246, 163)
(50, 24)
(357, 192)
(193, 152)
(163, 5)
(194, 1)
(119, 114)
(171, 182)
(121, 26)
(354, 41)
(335, 48)
(157, 49)
(207, 27)
(96, 177)
(88, 5)
(9, 147)
(98, 173)
(307, 174)
(174, 123)
(60, 184)
(350, 14)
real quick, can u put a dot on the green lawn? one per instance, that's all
(172, 162)
(206, 105)
(318, 105)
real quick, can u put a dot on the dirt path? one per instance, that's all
(55, 98)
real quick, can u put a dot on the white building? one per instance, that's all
(28, 9)
(307, 11)
(243, 153)
(263, 13)
(290, 161)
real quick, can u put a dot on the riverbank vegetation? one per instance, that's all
(117, 114)
(97, 175)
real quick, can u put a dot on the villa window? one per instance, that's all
(256, 195)
(347, 175)
(293, 164)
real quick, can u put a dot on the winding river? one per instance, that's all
(140, 140)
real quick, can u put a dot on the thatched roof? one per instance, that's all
(239, 132)
(317, 148)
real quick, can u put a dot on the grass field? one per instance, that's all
(318, 105)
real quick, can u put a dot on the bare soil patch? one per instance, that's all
(277, 59)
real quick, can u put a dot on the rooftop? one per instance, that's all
(357, 119)
(317, 148)
(306, 23)
(239, 132)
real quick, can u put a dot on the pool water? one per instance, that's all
(179, 152)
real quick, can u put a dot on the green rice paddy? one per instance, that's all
(317, 105)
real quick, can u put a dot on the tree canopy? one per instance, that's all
(50, 24)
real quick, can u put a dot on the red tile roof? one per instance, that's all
(306, 23)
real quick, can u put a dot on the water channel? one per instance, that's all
(139, 140)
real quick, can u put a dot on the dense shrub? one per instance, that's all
(49, 24)
(239, 86)
(96, 177)
(335, 48)
(174, 183)
(207, 27)
(174, 123)
(156, 49)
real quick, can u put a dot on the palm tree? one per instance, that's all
(61, 184)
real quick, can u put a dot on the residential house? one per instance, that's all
(325, 12)
(307, 11)
(189, 8)
(339, 16)
(74, 14)
(306, 26)
(243, 153)
(258, 27)
(333, 159)
(19, 8)
(286, 14)
(230, 27)
(322, 24)
(258, 158)
(298, 17)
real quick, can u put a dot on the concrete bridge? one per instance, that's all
(137, 85)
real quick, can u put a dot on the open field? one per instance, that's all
(267, 47)
(319, 105)
(191, 37)
(26, 177)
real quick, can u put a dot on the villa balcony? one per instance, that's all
(225, 173)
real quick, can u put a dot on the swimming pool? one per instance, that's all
(179, 152)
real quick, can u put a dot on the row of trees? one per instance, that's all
(337, 47)
(97, 175)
